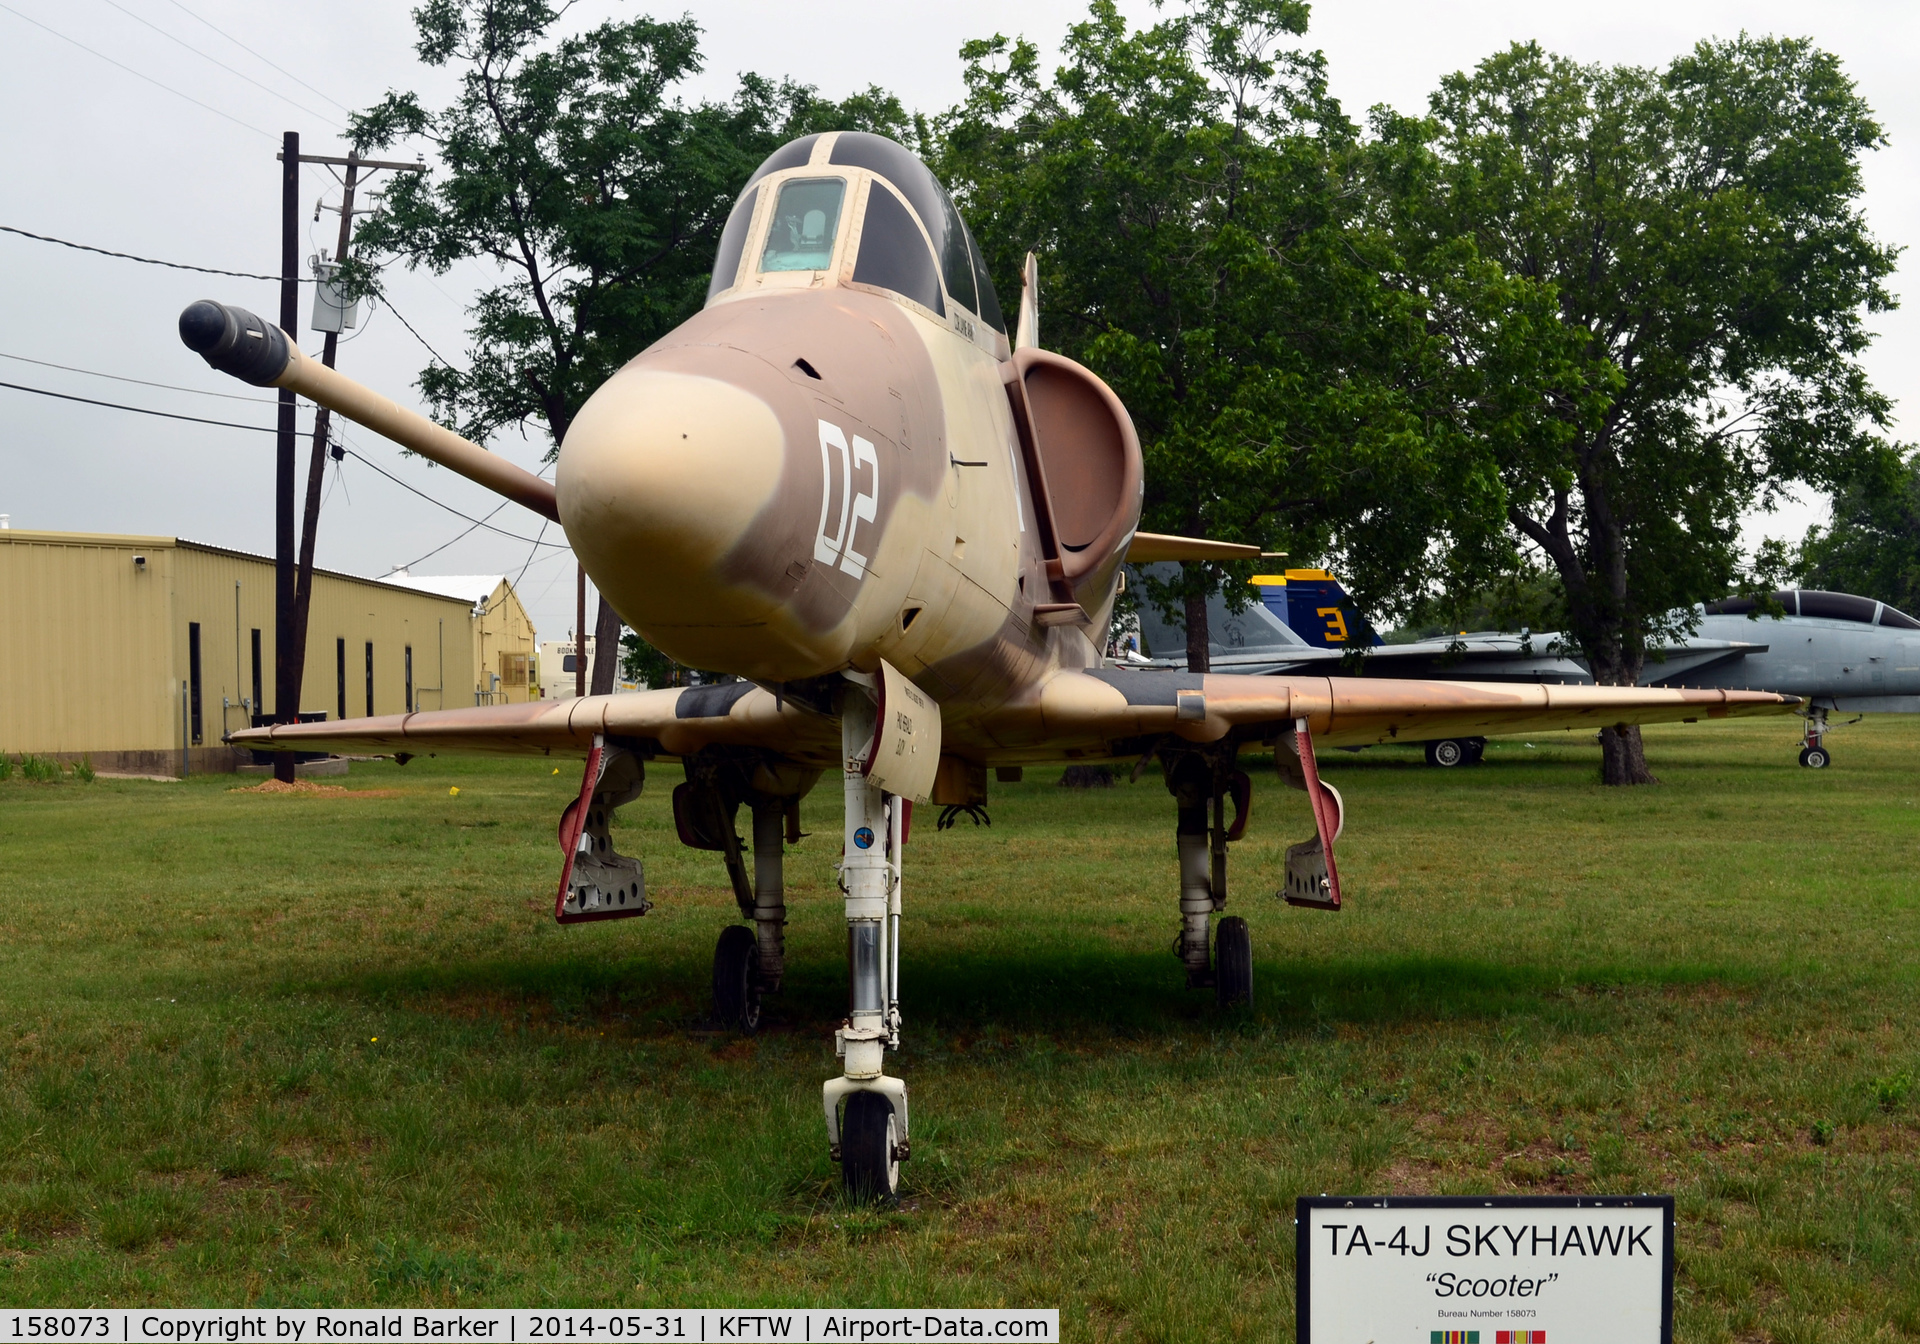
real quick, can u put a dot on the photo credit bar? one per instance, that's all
(308, 1326)
(1556, 1269)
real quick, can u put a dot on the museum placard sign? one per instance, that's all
(1485, 1270)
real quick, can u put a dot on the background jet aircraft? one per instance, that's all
(1838, 652)
(842, 482)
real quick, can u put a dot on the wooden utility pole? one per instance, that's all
(580, 634)
(287, 656)
(322, 421)
(293, 627)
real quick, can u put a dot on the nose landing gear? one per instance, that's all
(870, 1140)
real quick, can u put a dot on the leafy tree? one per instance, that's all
(1872, 546)
(1522, 598)
(641, 662)
(1188, 188)
(1649, 289)
(571, 165)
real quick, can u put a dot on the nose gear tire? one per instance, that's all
(869, 1149)
(1233, 963)
(736, 979)
(1815, 758)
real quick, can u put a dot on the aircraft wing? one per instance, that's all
(1078, 713)
(1079, 708)
(674, 722)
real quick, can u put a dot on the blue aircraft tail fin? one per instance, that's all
(1316, 608)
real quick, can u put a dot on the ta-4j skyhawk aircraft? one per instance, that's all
(841, 482)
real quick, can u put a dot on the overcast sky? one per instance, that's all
(91, 151)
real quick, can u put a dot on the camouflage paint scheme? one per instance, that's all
(701, 487)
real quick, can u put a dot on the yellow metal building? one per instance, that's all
(139, 653)
(505, 650)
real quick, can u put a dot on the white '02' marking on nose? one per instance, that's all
(853, 510)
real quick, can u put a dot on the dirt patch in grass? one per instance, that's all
(308, 788)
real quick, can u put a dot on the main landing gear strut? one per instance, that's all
(1813, 743)
(1201, 782)
(870, 1140)
(747, 962)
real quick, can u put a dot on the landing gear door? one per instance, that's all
(596, 881)
(905, 754)
(1312, 879)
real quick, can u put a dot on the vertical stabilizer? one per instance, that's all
(1316, 608)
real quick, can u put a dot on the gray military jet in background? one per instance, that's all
(1840, 653)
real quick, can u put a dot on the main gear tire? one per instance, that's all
(1233, 963)
(736, 980)
(1447, 753)
(870, 1150)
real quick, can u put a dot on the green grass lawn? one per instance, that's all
(334, 1050)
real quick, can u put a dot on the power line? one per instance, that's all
(416, 335)
(256, 55)
(120, 378)
(266, 429)
(481, 522)
(150, 261)
(142, 410)
(222, 64)
(136, 74)
(530, 554)
(462, 537)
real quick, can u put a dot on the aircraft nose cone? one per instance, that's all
(661, 476)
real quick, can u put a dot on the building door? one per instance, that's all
(340, 673)
(256, 674)
(193, 679)
(369, 678)
(408, 701)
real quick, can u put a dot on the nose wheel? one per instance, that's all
(736, 979)
(1815, 758)
(870, 1149)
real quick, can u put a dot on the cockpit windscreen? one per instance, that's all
(806, 219)
(893, 252)
(915, 181)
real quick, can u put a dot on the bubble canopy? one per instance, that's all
(894, 253)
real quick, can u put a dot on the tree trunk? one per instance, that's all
(606, 648)
(1623, 759)
(1197, 634)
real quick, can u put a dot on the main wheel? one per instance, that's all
(869, 1149)
(1233, 963)
(1446, 753)
(1815, 758)
(736, 979)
